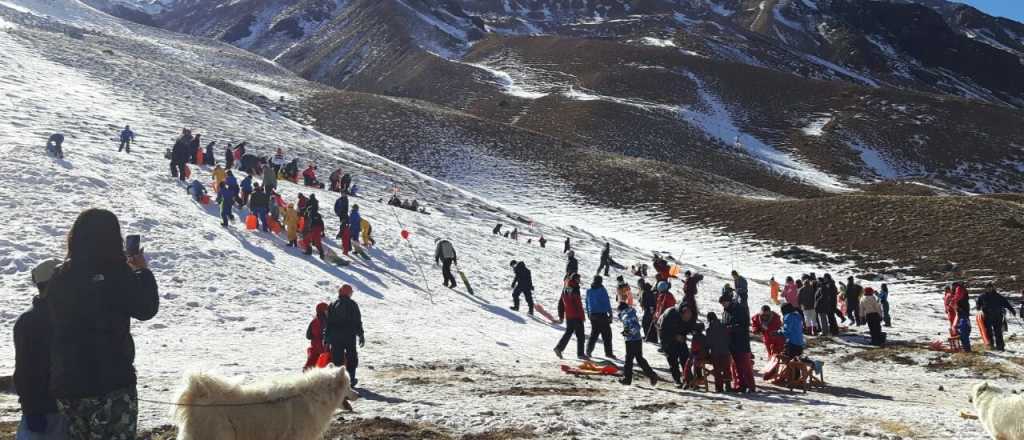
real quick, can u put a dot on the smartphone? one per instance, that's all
(133, 244)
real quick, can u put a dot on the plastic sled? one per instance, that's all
(982, 330)
(544, 312)
(275, 227)
(251, 222)
(465, 281)
(204, 199)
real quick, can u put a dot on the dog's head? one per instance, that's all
(979, 390)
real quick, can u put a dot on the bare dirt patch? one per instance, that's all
(8, 429)
(895, 352)
(549, 391)
(379, 428)
(976, 363)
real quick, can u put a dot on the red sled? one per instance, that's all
(250, 222)
(204, 199)
(544, 312)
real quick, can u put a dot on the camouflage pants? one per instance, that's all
(110, 417)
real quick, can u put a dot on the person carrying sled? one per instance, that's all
(870, 311)
(445, 254)
(717, 338)
(40, 418)
(599, 310)
(634, 346)
(767, 324)
(315, 333)
(127, 137)
(54, 145)
(736, 317)
(344, 328)
(570, 311)
(606, 259)
(522, 284)
(180, 154)
(193, 147)
(259, 204)
(291, 225)
(196, 190)
(993, 305)
(91, 301)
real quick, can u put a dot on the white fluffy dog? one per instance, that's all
(1000, 412)
(298, 407)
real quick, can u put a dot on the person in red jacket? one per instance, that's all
(665, 299)
(314, 233)
(768, 323)
(315, 334)
(570, 310)
(950, 306)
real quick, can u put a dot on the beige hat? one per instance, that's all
(45, 271)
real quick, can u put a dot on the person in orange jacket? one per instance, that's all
(767, 324)
(315, 334)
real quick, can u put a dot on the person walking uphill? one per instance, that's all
(570, 311)
(341, 210)
(522, 284)
(91, 302)
(344, 327)
(634, 346)
(599, 310)
(127, 137)
(291, 225)
(606, 259)
(445, 254)
(180, 153)
(40, 419)
(992, 305)
(259, 204)
(870, 311)
(225, 199)
(315, 333)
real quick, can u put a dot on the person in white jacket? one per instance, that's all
(871, 312)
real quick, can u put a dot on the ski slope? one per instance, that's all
(239, 301)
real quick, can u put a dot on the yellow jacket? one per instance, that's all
(219, 175)
(291, 223)
(365, 230)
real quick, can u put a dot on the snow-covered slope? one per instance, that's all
(239, 301)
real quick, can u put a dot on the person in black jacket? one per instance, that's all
(32, 331)
(445, 254)
(571, 265)
(992, 305)
(208, 158)
(606, 259)
(91, 301)
(736, 318)
(180, 154)
(229, 157)
(649, 302)
(344, 326)
(674, 325)
(341, 210)
(259, 204)
(193, 148)
(522, 284)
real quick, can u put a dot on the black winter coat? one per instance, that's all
(672, 325)
(32, 334)
(182, 149)
(806, 296)
(736, 318)
(92, 351)
(259, 199)
(523, 279)
(572, 266)
(344, 322)
(992, 304)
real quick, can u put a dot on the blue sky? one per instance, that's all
(1004, 8)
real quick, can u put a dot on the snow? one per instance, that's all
(716, 121)
(510, 85)
(875, 160)
(657, 42)
(239, 301)
(271, 93)
(842, 70)
(816, 126)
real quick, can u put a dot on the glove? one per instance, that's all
(362, 341)
(36, 423)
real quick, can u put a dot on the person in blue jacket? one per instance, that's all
(599, 309)
(232, 183)
(634, 346)
(196, 190)
(883, 297)
(341, 210)
(226, 199)
(355, 224)
(793, 331)
(127, 137)
(246, 186)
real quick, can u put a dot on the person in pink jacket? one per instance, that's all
(791, 293)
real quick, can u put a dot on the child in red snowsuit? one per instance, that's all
(768, 323)
(698, 354)
(315, 334)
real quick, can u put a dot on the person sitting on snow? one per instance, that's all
(768, 324)
(309, 177)
(53, 145)
(196, 190)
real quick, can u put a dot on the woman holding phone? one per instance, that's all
(92, 298)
